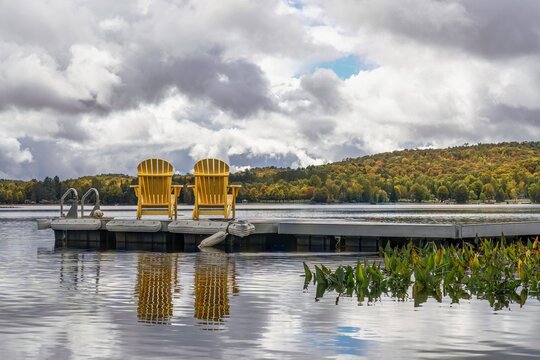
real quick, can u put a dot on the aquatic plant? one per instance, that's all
(500, 272)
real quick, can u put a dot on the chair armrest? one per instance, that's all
(176, 190)
(135, 188)
(191, 186)
(234, 189)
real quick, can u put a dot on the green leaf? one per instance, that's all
(308, 273)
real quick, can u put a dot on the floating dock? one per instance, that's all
(267, 234)
(93, 231)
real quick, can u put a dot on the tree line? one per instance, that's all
(479, 173)
(113, 189)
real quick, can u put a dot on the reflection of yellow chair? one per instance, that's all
(211, 288)
(211, 189)
(155, 192)
(154, 289)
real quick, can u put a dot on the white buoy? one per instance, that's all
(241, 228)
(211, 250)
(213, 239)
(43, 224)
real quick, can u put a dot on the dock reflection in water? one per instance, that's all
(80, 304)
(75, 270)
(157, 280)
(213, 276)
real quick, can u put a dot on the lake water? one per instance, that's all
(128, 305)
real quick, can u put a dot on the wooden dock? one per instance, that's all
(268, 234)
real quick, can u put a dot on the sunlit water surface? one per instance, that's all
(128, 305)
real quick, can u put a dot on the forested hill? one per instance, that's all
(484, 172)
(479, 173)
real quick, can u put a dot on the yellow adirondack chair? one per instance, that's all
(211, 189)
(156, 195)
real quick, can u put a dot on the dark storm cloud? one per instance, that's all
(49, 159)
(503, 27)
(498, 28)
(10, 169)
(436, 131)
(352, 148)
(149, 62)
(262, 160)
(236, 86)
(71, 129)
(181, 161)
(317, 129)
(37, 97)
(489, 28)
(324, 87)
(510, 123)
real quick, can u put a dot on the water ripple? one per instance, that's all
(118, 305)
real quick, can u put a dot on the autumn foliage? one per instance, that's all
(485, 173)
(479, 173)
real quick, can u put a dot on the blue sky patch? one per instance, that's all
(295, 4)
(344, 67)
(349, 345)
(347, 329)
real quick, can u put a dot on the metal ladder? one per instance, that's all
(96, 204)
(73, 211)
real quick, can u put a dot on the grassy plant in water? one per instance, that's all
(499, 272)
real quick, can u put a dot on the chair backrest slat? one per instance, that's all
(211, 181)
(155, 180)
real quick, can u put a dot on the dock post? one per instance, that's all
(120, 241)
(352, 244)
(302, 242)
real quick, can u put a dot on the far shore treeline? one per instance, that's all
(479, 173)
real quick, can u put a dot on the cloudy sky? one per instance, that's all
(90, 87)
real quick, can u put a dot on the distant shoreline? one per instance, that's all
(293, 203)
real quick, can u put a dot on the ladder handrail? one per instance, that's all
(68, 191)
(86, 194)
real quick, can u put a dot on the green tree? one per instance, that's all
(534, 192)
(315, 180)
(489, 191)
(500, 196)
(321, 195)
(461, 193)
(476, 187)
(382, 196)
(393, 194)
(442, 193)
(419, 192)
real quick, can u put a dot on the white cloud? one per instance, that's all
(10, 149)
(114, 24)
(517, 84)
(101, 85)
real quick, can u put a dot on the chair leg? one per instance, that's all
(233, 202)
